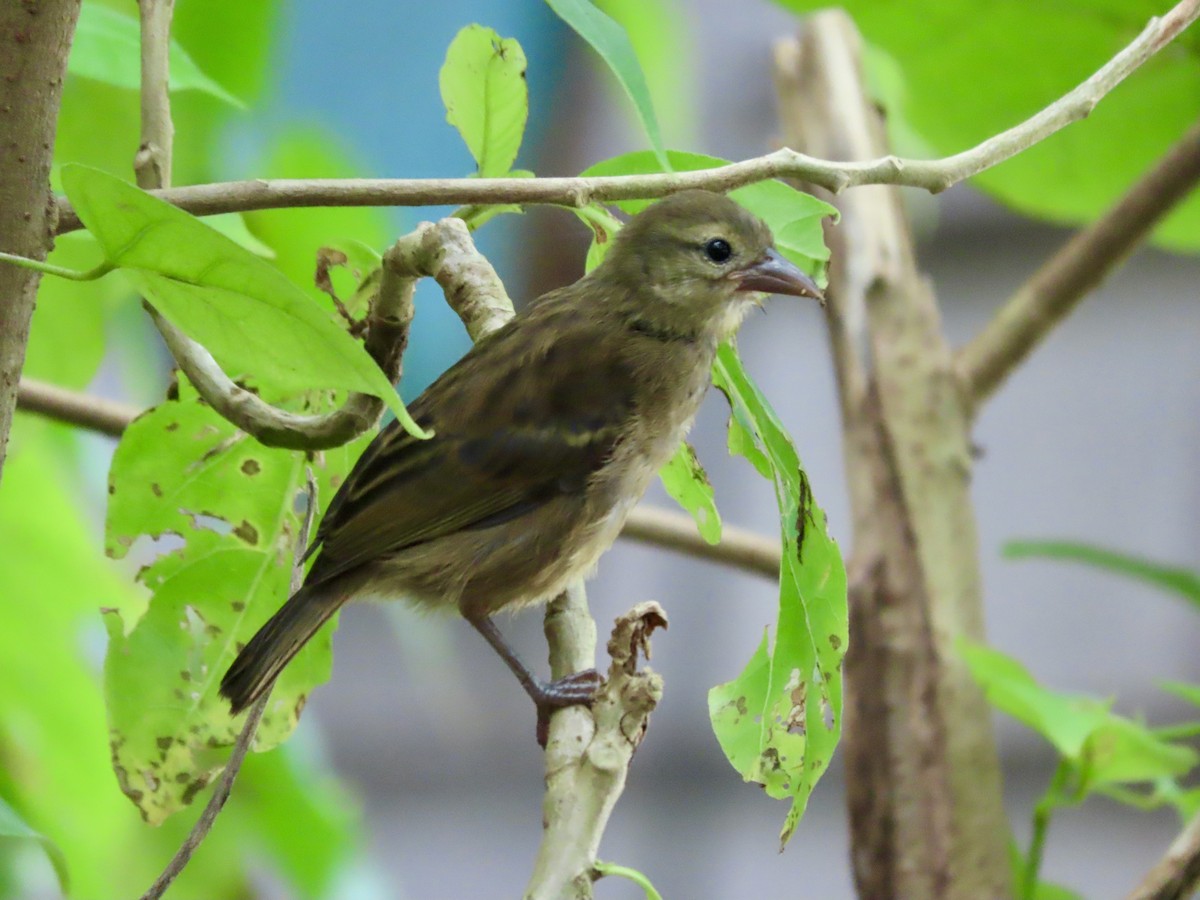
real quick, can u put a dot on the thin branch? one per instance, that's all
(108, 417)
(246, 737)
(153, 160)
(1177, 874)
(931, 175)
(739, 547)
(1075, 270)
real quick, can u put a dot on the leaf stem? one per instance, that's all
(60, 271)
(1041, 826)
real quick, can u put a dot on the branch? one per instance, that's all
(152, 163)
(270, 425)
(108, 417)
(588, 754)
(931, 175)
(1075, 270)
(739, 547)
(246, 737)
(1176, 875)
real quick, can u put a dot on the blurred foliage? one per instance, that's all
(1099, 752)
(953, 74)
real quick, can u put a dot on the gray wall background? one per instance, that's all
(1095, 439)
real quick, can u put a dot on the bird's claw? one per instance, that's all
(578, 689)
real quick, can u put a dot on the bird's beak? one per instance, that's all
(772, 274)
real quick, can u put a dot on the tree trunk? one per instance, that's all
(926, 812)
(35, 37)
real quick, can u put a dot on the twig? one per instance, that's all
(88, 411)
(1076, 269)
(246, 737)
(153, 160)
(588, 754)
(931, 175)
(1177, 874)
(739, 547)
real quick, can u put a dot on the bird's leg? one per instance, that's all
(572, 690)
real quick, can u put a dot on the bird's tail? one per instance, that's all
(273, 647)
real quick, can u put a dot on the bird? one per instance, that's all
(545, 435)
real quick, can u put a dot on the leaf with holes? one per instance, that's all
(687, 482)
(780, 720)
(222, 507)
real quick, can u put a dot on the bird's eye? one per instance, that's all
(718, 250)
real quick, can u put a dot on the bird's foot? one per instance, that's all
(578, 689)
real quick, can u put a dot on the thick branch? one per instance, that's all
(1177, 874)
(932, 175)
(35, 37)
(588, 754)
(1075, 270)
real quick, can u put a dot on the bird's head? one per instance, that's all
(698, 262)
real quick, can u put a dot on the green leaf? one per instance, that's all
(247, 314)
(612, 43)
(949, 53)
(107, 48)
(181, 472)
(13, 827)
(1183, 582)
(1104, 748)
(668, 57)
(687, 482)
(483, 87)
(1065, 721)
(297, 234)
(780, 720)
(793, 216)
(1188, 692)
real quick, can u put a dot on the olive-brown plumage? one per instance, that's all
(545, 435)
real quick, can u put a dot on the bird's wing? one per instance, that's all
(517, 422)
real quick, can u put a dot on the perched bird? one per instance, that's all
(545, 435)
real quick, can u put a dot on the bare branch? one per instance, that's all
(246, 736)
(153, 160)
(931, 175)
(588, 754)
(739, 547)
(1075, 270)
(1177, 874)
(88, 411)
